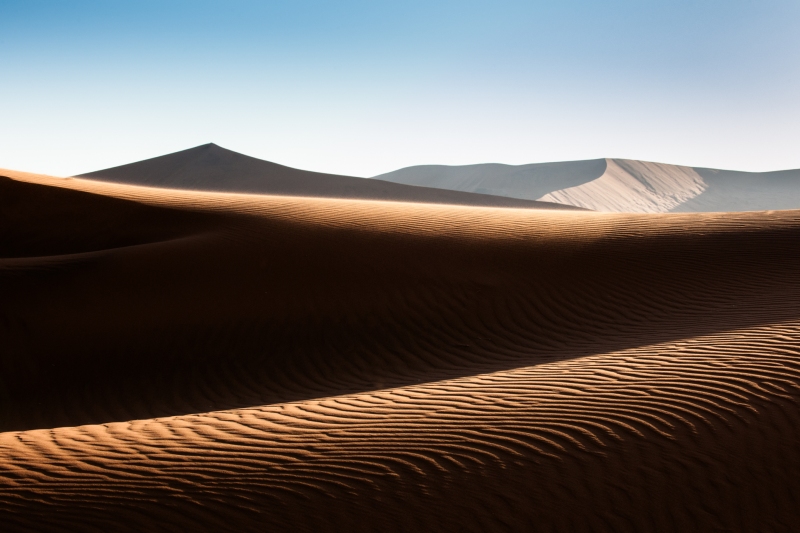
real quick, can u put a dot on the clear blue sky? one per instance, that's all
(363, 87)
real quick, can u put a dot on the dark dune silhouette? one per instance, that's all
(212, 168)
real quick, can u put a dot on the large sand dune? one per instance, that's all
(190, 361)
(212, 168)
(617, 185)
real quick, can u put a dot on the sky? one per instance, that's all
(363, 87)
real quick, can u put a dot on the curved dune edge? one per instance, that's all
(410, 367)
(617, 185)
(634, 187)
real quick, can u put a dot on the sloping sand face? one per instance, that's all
(634, 187)
(208, 362)
(515, 181)
(617, 185)
(212, 168)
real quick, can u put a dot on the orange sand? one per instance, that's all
(189, 361)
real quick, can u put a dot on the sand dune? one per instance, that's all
(180, 360)
(212, 168)
(728, 190)
(617, 185)
(634, 187)
(529, 182)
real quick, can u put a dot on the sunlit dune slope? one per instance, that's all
(617, 185)
(178, 360)
(212, 168)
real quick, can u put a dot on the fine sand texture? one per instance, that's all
(212, 168)
(617, 185)
(178, 360)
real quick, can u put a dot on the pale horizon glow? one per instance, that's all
(362, 88)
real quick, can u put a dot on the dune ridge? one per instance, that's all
(184, 360)
(548, 447)
(617, 185)
(528, 182)
(634, 187)
(212, 168)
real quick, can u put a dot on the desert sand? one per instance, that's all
(180, 360)
(617, 185)
(212, 168)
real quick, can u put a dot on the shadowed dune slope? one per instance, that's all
(617, 185)
(212, 168)
(728, 190)
(529, 182)
(178, 360)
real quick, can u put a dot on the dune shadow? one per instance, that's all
(255, 311)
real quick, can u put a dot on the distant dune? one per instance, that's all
(179, 360)
(212, 168)
(617, 185)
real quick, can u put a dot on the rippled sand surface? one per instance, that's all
(185, 361)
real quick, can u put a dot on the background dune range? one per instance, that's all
(194, 361)
(612, 185)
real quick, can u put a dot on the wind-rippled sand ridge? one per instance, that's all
(186, 361)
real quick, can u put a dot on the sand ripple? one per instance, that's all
(249, 363)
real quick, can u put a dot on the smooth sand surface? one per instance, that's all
(634, 187)
(617, 185)
(212, 168)
(745, 191)
(190, 361)
(530, 182)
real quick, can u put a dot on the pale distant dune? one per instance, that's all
(617, 185)
(179, 360)
(529, 182)
(634, 187)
